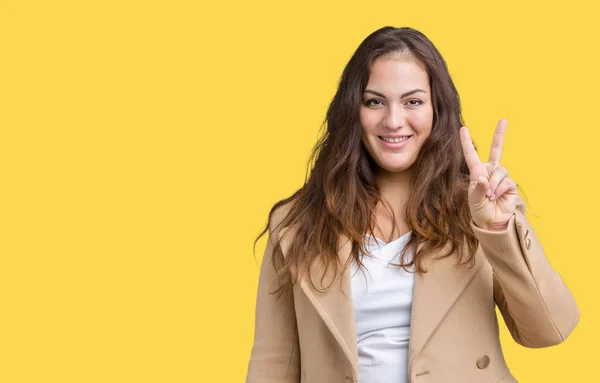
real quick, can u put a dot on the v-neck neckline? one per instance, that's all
(383, 243)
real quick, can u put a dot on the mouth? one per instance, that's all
(394, 140)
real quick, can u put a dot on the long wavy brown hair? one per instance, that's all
(340, 192)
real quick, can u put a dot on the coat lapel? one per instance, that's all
(334, 305)
(434, 295)
(435, 292)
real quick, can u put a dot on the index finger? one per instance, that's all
(498, 142)
(468, 149)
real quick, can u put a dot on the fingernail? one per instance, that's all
(493, 197)
(489, 192)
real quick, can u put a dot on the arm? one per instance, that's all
(275, 355)
(537, 307)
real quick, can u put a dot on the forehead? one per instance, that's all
(397, 74)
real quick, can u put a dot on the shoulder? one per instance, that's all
(277, 216)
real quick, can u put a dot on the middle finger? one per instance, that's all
(498, 142)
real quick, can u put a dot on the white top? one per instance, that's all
(382, 298)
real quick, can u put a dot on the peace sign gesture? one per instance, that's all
(492, 194)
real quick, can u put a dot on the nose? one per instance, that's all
(395, 117)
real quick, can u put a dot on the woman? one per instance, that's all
(387, 264)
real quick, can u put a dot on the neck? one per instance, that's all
(394, 188)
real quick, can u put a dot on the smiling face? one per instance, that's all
(396, 114)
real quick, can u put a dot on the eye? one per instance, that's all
(373, 101)
(414, 102)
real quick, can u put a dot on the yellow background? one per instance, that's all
(143, 143)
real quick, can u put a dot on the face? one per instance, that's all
(396, 114)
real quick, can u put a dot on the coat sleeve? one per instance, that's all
(275, 357)
(537, 307)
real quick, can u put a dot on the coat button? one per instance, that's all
(526, 239)
(483, 362)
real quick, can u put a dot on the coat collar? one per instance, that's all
(434, 294)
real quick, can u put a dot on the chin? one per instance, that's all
(394, 168)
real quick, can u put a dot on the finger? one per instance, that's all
(506, 186)
(498, 142)
(477, 189)
(498, 174)
(468, 149)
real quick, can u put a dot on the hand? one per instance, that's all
(492, 193)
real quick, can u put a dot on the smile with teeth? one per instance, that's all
(397, 139)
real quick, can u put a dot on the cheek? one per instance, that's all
(366, 128)
(422, 122)
(368, 121)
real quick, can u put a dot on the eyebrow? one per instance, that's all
(404, 95)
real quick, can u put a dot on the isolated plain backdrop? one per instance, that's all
(143, 143)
